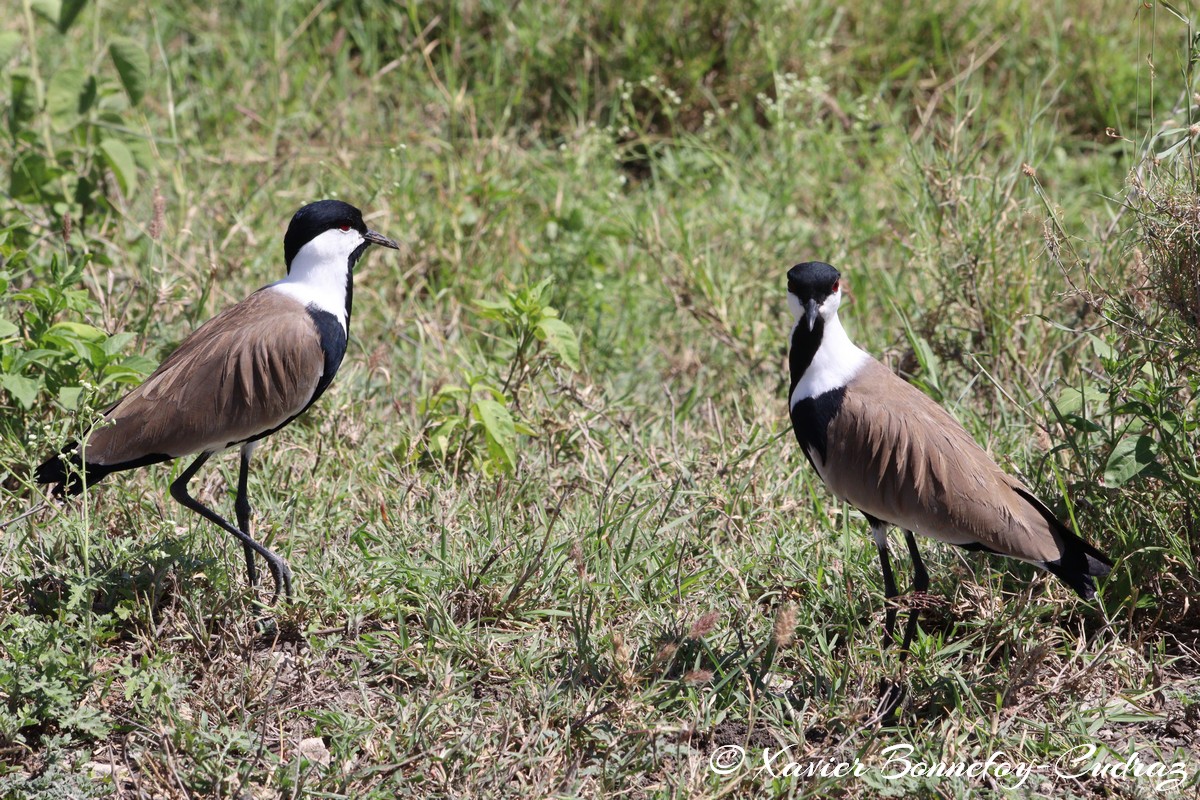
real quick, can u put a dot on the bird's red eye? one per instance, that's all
(835, 287)
(345, 227)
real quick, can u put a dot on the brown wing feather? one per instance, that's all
(244, 372)
(897, 455)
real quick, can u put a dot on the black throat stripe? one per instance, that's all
(810, 416)
(805, 344)
(357, 254)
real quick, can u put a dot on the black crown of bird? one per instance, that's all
(886, 448)
(238, 378)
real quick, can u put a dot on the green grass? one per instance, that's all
(662, 574)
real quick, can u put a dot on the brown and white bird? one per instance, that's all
(887, 449)
(239, 377)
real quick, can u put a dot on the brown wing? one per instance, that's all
(897, 455)
(244, 372)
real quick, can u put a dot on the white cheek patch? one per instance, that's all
(333, 245)
(830, 306)
(825, 310)
(321, 270)
(794, 305)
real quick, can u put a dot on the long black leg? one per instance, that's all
(920, 584)
(891, 693)
(279, 570)
(879, 533)
(242, 507)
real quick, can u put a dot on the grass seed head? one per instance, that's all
(703, 626)
(784, 630)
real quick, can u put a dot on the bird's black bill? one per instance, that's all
(810, 313)
(379, 238)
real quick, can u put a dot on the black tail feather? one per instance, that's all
(66, 471)
(69, 473)
(1080, 563)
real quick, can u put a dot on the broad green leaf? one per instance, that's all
(89, 352)
(133, 65)
(1132, 456)
(562, 340)
(68, 13)
(24, 390)
(115, 343)
(131, 370)
(9, 42)
(500, 431)
(1101, 348)
(495, 310)
(7, 328)
(541, 292)
(139, 365)
(450, 392)
(34, 355)
(120, 161)
(442, 435)
(143, 153)
(66, 97)
(50, 10)
(1081, 423)
(80, 330)
(1073, 401)
(494, 304)
(68, 397)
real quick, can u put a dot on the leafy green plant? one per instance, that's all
(45, 348)
(61, 775)
(491, 405)
(432, 604)
(68, 125)
(72, 147)
(46, 674)
(1132, 424)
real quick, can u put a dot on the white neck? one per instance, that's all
(320, 272)
(834, 365)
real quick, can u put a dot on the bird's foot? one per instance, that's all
(891, 694)
(267, 627)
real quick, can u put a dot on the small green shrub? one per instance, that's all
(1131, 425)
(46, 674)
(61, 776)
(492, 404)
(73, 152)
(70, 127)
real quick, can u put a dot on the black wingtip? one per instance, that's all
(70, 474)
(55, 471)
(67, 473)
(1080, 563)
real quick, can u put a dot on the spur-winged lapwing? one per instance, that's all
(887, 449)
(241, 376)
